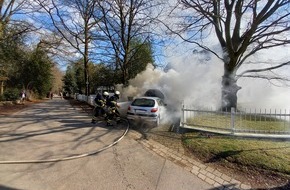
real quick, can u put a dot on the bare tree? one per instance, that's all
(243, 28)
(9, 9)
(73, 20)
(122, 22)
(57, 84)
(11, 30)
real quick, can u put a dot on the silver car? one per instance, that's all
(148, 109)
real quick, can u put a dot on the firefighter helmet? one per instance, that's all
(117, 93)
(106, 93)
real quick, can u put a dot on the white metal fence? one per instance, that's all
(257, 121)
(84, 98)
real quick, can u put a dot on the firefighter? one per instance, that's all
(100, 104)
(112, 109)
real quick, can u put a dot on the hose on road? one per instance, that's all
(70, 157)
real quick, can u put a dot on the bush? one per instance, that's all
(2, 97)
(11, 94)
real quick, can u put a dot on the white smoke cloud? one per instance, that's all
(189, 80)
(260, 94)
(264, 94)
(196, 80)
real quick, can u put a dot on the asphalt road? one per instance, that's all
(53, 130)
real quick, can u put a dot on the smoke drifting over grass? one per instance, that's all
(262, 94)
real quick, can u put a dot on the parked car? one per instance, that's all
(148, 109)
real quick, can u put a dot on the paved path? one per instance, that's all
(169, 146)
(54, 129)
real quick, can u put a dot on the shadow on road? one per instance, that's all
(2, 187)
(53, 124)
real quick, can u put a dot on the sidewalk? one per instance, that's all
(168, 145)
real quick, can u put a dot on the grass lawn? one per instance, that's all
(253, 153)
(242, 122)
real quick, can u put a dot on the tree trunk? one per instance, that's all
(86, 59)
(125, 75)
(229, 91)
(2, 88)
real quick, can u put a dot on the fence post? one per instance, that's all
(233, 119)
(182, 118)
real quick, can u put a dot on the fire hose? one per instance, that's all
(70, 157)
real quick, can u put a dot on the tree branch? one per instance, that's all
(264, 69)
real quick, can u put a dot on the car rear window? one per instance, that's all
(143, 102)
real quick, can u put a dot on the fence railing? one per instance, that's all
(84, 98)
(252, 121)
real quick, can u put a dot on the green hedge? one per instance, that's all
(11, 94)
